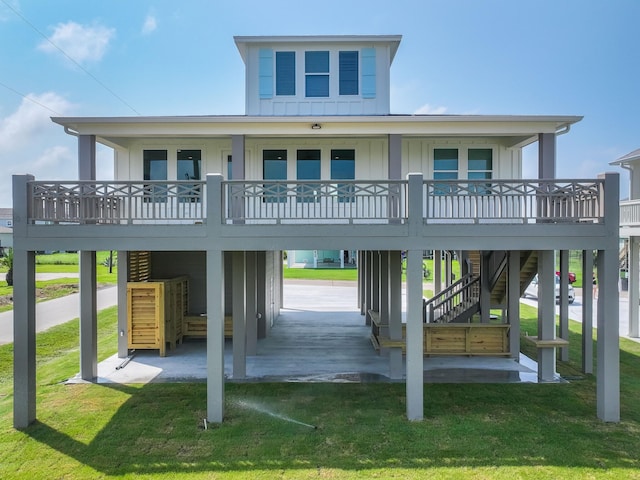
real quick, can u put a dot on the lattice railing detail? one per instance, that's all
(89, 202)
(508, 201)
(323, 202)
(344, 201)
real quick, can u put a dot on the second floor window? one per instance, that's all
(445, 167)
(308, 168)
(154, 164)
(343, 167)
(274, 167)
(316, 69)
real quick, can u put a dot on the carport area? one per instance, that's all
(320, 336)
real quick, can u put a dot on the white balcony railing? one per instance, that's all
(630, 213)
(88, 202)
(513, 201)
(276, 202)
(318, 202)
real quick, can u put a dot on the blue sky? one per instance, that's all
(566, 57)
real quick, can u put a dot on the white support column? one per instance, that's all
(24, 310)
(341, 258)
(251, 304)
(437, 271)
(448, 268)
(587, 311)
(384, 299)
(513, 303)
(546, 315)
(564, 303)
(367, 285)
(395, 313)
(547, 155)
(485, 289)
(608, 346)
(414, 338)
(215, 336)
(238, 294)
(634, 287)
(375, 282)
(87, 157)
(123, 323)
(24, 337)
(88, 316)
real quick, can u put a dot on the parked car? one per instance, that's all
(532, 290)
(572, 277)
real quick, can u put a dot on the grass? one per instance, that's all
(59, 287)
(479, 431)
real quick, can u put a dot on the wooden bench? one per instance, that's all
(470, 339)
(552, 343)
(196, 326)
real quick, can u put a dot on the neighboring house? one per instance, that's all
(630, 232)
(319, 163)
(6, 239)
(6, 217)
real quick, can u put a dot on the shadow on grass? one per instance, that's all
(158, 428)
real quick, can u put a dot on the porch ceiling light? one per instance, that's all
(316, 126)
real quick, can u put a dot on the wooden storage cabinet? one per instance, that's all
(155, 313)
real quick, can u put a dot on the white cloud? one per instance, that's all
(31, 143)
(150, 24)
(53, 159)
(30, 119)
(6, 10)
(428, 109)
(83, 43)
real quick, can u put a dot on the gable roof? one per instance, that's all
(242, 42)
(629, 157)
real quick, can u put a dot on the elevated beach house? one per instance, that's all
(205, 205)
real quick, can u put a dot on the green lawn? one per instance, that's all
(59, 263)
(479, 431)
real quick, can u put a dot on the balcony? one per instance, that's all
(262, 202)
(630, 213)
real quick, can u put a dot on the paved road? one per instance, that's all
(57, 311)
(575, 313)
(60, 310)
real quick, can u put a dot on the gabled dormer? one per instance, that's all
(317, 75)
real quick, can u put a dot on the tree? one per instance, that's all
(7, 261)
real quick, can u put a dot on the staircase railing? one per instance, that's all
(497, 265)
(462, 292)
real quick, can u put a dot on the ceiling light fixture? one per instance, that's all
(316, 126)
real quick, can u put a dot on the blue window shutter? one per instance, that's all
(368, 73)
(265, 73)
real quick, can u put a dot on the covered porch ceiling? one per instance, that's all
(509, 130)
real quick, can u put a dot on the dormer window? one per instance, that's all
(316, 69)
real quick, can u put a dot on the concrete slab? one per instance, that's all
(319, 337)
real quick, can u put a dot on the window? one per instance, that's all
(155, 168)
(285, 73)
(348, 73)
(343, 167)
(229, 167)
(189, 162)
(445, 167)
(316, 69)
(308, 168)
(274, 165)
(480, 167)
